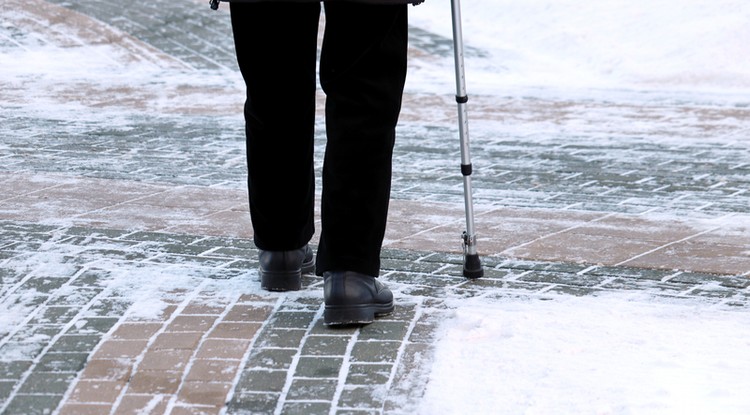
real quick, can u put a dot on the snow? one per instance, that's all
(637, 44)
(611, 354)
(591, 355)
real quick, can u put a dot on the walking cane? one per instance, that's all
(472, 264)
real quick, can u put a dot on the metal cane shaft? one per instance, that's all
(463, 124)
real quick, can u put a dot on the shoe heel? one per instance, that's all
(348, 315)
(308, 268)
(281, 281)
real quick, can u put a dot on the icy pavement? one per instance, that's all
(127, 269)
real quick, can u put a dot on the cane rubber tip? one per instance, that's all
(472, 266)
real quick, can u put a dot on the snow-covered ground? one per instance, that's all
(590, 355)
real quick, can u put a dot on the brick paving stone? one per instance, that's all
(137, 404)
(207, 370)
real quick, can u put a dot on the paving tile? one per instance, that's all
(115, 369)
(62, 362)
(97, 391)
(319, 367)
(253, 402)
(268, 381)
(70, 408)
(211, 394)
(149, 404)
(232, 330)
(318, 345)
(211, 370)
(269, 358)
(247, 313)
(165, 359)
(23, 404)
(135, 331)
(375, 351)
(176, 341)
(306, 408)
(155, 382)
(280, 338)
(195, 324)
(120, 349)
(47, 383)
(222, 349)
(369, 374)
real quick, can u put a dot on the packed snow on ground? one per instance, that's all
(591, 355)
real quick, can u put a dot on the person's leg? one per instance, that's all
(276, 46)
(363, 70)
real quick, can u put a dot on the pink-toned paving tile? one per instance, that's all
(697, 255)
(172, 360)
(195, 410)
(222, 349)
(120, 349)
(97, 391)
(156, 382)
(135, 331)
(175, 341)
(213, 370)
(579, 248)
(204, 393)
(247, 313)
(108, 369)
(131, 404)
(84, 409)
(199, 323)
(235, 330)
(204, 306)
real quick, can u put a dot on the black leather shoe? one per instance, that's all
(354, 298)
(282, 270)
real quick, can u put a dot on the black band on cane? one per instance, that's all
(462, 99)
(466, 169)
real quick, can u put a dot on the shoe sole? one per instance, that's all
(287, 280)
(348, 315)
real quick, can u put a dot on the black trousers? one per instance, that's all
(362, 72)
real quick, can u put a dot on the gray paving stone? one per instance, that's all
(267, 358)
(47, 383)
(369, 374)
(318, 367)
(317, 345)
(76, 343)
(270, 381)
(281, 338)
(293, 319)
(14, 369)
(362, 397)
(246, 403)
(23, 404)
(375, 351)
(306, 408)
(385, 330)
(312, 390)
(93, 325)
(72, 362)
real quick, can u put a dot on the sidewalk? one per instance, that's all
(127, 269)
